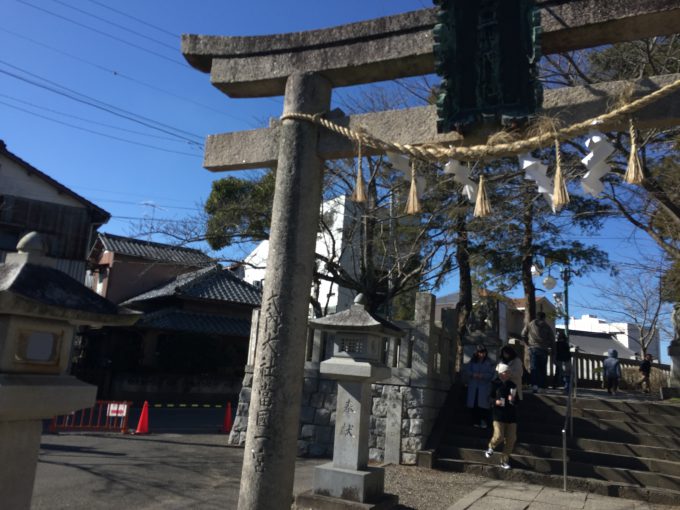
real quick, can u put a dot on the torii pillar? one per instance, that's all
(305, 66)
(274, 412)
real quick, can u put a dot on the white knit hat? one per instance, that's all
(502, 367)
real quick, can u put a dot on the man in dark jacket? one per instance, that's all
(504, 411)
(540, 338)
(645, 370)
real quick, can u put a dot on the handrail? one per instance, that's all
(568, 417)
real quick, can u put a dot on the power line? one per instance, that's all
(125, 193)
(95, 103)
(134, 18)
(111, 36)
(158, 220)
(128, 202)
(124, 76)
(97, 132)
(111, 126)
(119, 74)
(138, 34)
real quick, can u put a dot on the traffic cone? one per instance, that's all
(143, 424)
(226, 428)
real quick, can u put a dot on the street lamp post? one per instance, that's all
(561, 299)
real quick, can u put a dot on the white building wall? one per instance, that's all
(16, 180)
(625, 333)
(333, 246)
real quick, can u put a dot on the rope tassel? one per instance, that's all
(560, 193)
(413, 202)
(482, 205)
(359, 194)
(634, 173)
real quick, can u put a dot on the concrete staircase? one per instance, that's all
(624, 446)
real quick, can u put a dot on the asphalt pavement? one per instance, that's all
(173, 471)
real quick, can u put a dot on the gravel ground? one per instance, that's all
(427, 489)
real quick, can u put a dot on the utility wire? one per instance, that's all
(128, 202)
(124, 193)
(118, 74)
(95, 103)
(117, 25)
(111, 36)
(134, 18)
(111, 126)
(97, 132)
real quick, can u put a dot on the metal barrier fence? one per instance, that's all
(104, 416)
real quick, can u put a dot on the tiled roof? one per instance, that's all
(47, 286)
(210, 283)
(598, 343)
(521, 303)
(154, 251)
(179, 320)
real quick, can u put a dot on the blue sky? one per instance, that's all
(124, 55)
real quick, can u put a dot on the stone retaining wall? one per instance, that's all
(404, 407)
(401, 416)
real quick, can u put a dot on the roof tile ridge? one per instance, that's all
(200, 276)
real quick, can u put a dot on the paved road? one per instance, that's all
(172, 471)
(165, 471)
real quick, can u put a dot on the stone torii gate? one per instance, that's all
(305, 67)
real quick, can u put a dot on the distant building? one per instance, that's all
(30, 200)
(339, 214)
(191, 342)
(516, 310)
(625, 334)
(121, 267)
(589, 342)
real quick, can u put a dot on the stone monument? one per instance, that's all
(358, 346)
(40, 308)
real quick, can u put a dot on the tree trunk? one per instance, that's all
(528, 259)
(464, 305)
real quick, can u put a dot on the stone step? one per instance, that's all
(583, 484)
(471, 449)
(550, 434)
(557, 412)
(605, 403)
(577, 469)
(477, 436)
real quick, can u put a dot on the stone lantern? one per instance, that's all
(40, 308)
(358, 339)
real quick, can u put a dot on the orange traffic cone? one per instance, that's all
(226, 428)
(143, 424)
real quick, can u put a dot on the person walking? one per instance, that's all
(504, 410)
(478, 373)
(645, 371)
(510, 358)
(612, 371)
(540, 338)
(562, 361)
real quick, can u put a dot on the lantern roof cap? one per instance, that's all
(357, 319)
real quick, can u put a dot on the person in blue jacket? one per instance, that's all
(612, 371)
(479, 373)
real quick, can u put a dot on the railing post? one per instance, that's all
(564, 459)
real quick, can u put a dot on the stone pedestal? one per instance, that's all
(310, 501)
(25, 400)
(348, 476)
